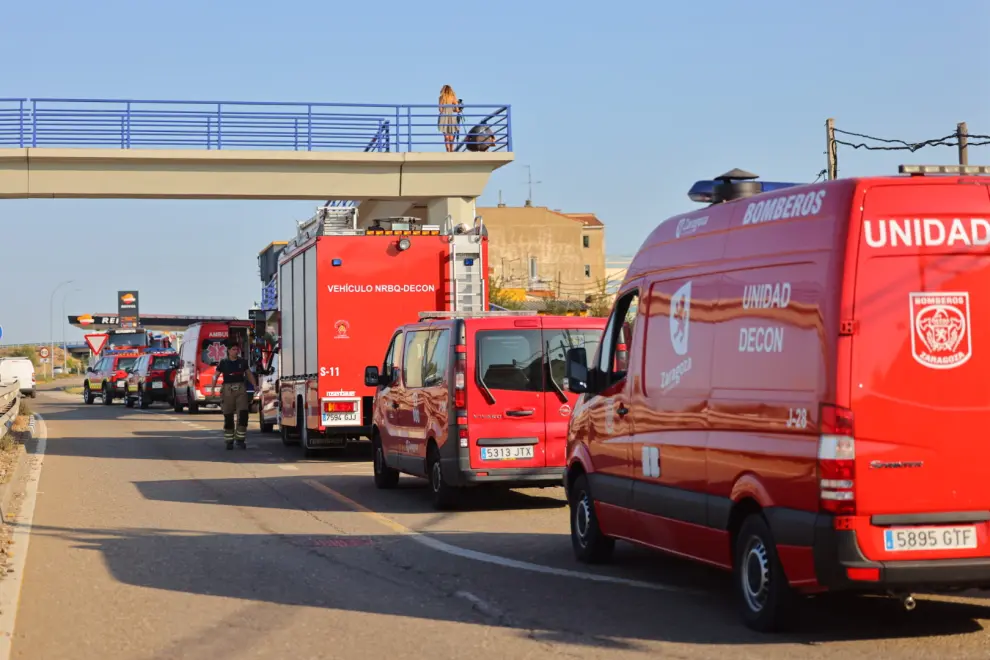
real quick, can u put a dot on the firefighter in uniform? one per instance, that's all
(234, 398)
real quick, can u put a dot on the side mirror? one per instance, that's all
(371, 377)
(576, 370)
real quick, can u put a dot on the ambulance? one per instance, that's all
(803, 399)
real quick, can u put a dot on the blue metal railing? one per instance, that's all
(137, 124)
(15, 124)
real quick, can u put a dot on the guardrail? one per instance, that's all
(10, 405)
(15, 123)
(226, 125)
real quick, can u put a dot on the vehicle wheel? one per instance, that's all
(590, 544)
(766, 601)
(193, 404)
(107, 397)
(88, 396)
(308, 452)
(289, 438)
(143, 401)
(128, 401)
(385, 477)
(176, 404)
(444, 495)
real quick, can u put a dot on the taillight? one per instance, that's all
(837, 461)
(460, 377)
(338, 406)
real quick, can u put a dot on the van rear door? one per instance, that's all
(561, 333)
(505, 411)
(921, 352)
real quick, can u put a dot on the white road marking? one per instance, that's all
(486, 558)
(290, 468)
(10, 587)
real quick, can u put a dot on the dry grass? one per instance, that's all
(73, 389)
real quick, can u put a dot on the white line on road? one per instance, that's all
(10, 587)
(484, 557)
(287, 467)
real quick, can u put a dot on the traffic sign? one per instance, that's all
(96, 342)
(43, 352)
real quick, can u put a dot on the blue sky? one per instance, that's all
(618, 107)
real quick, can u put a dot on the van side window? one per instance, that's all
(435, 368)
(614, 358)
(414, 357)
(389, 363)
(510, 360)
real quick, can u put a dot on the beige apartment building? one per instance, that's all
(536, 249)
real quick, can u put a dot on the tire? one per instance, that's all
(192, 403)
(766, 602)
(385, 477)
(176, 404)
(289, 439)
(107, 396)
(88, 396)
(590, 544)
(444, 495)
(128, 401)
(143, 402)
(265, 426)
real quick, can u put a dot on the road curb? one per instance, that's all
(9, 489)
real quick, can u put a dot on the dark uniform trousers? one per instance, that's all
(234, 399)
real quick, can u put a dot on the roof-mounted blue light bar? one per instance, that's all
(704, 191)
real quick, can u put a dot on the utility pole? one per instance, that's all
(830, 150)
(529, 200)
(962, 134)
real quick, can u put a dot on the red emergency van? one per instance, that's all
(469, 399)
(203, 346)
(803, 401)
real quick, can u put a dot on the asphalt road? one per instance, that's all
(149, 540)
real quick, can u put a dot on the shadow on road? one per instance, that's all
(411, 496)
(391, 575)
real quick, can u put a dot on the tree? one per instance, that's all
(600, 302)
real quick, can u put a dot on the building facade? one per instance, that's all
(536, 249)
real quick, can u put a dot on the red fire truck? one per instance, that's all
(342, 291)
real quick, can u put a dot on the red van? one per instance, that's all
(804, 394)
(466, 399)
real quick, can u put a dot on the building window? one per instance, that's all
(587, 270)
(586, 240)
(532, 268)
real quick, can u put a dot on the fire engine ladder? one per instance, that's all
(467, 272)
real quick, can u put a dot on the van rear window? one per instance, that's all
(213, 350)
(514, 359)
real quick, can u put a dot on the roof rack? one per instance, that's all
(916, 170)
(473, 315)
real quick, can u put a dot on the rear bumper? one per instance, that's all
(457, 471)
(835, 551)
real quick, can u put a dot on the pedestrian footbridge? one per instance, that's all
(352, 153)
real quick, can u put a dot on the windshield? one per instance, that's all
(126, 363)
(165, 362)
(128, 339)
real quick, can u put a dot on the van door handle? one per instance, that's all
(519, 413)
(623, 410)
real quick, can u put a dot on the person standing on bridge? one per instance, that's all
(234, 398)
(449, 122)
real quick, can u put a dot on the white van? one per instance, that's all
(20, 369)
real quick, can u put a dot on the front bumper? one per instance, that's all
(836, 551)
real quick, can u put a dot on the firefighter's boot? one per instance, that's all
(229, 433)
(240, 431)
